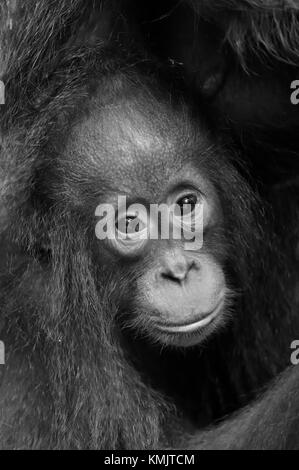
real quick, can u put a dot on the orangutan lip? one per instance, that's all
(195, 325)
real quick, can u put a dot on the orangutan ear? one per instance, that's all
(211, 79)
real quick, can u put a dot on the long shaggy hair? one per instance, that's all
(70, 381)
(75, 368)
(265, 29)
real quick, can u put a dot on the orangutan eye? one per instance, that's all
(131, 233)
(187, 203)
(188, 210)
(130, 224)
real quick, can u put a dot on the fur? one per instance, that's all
(70, 381)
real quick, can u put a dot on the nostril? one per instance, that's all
(176, 267)
(175, 277)
(178, 272)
